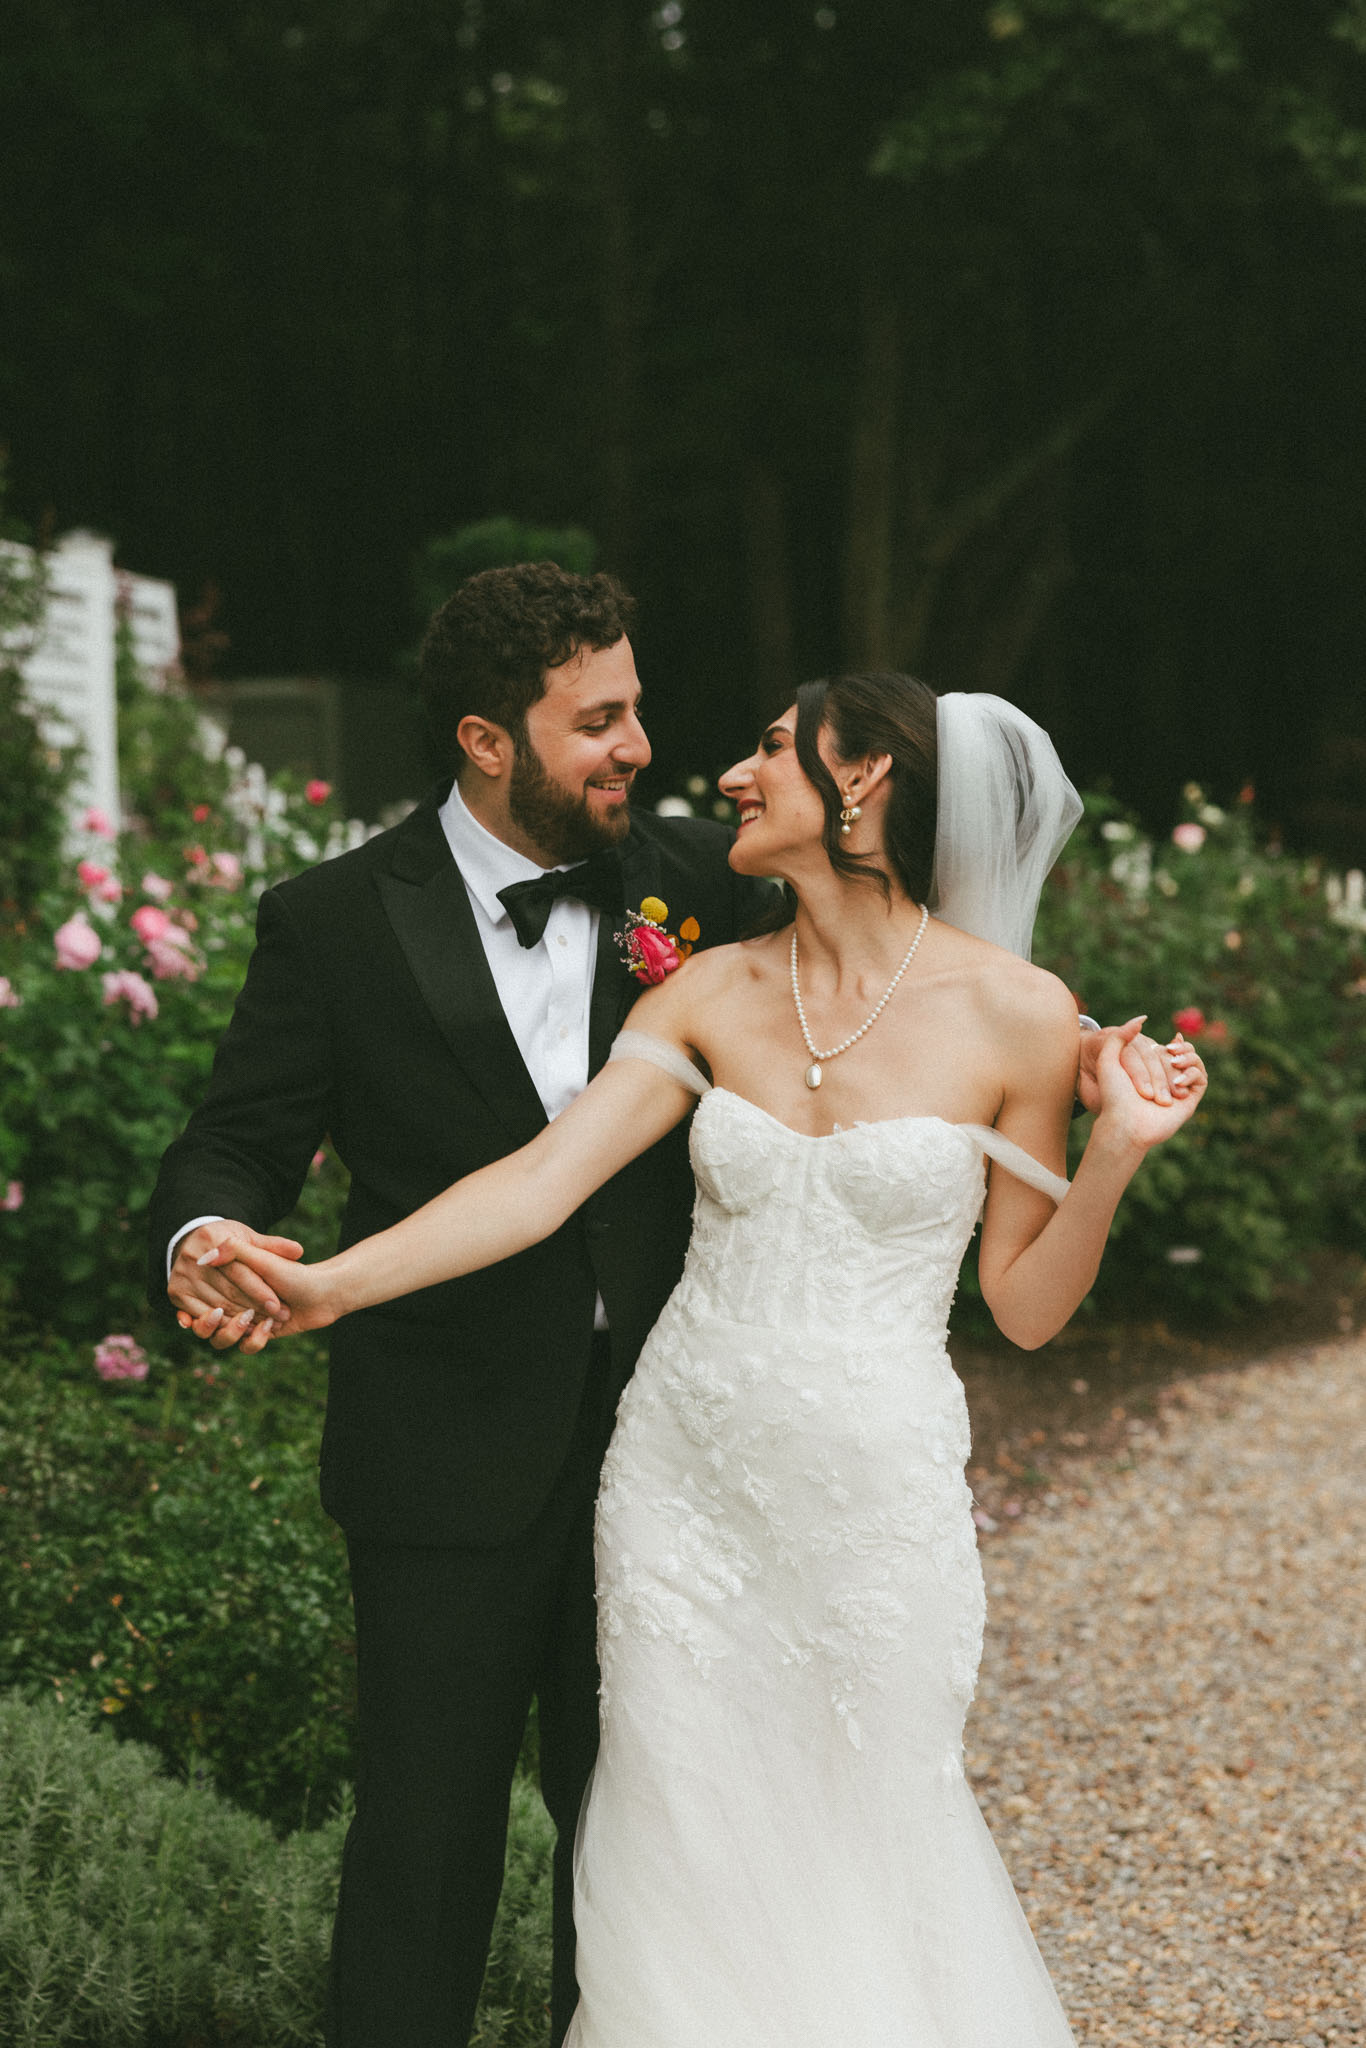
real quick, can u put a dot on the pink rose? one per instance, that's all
(110, 890)
(1190, 1022)
(13, 1197)
(97, 821)
(1190, 837)
(157, 887)
(126, 987)
(91, 874)
(10, 999)
(225, 871)
(150, 923)
(77, 942)
(656, 955)
(171, 957)
(120, 1358)
(317, 791)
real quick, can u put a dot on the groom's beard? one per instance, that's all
(552, 817)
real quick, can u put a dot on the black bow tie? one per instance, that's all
(596, 882)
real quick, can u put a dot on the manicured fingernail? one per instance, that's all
(266, 1327)
(248, 1315)
(215, 1315)
(207, 1258)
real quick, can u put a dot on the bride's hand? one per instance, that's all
(1131, 1118)
(309, 1293)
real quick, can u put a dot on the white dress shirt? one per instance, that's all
(544, 989)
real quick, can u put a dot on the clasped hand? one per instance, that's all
(283, 1294)
(222, 1298)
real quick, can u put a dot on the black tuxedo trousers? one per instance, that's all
(453, 1643)
(465, 1423)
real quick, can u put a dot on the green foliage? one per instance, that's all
(92, 1092)
(33, 776)
(444, 562)
(139, 1913)
(1269, 954)
(93, 1087)
(135, 1910)
(167, 774)
(166, 1564)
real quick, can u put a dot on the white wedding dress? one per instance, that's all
(778, 1848)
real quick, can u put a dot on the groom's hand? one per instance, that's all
(227, 1303)
(1161, 1073)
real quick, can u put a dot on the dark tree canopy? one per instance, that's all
(1015, 343)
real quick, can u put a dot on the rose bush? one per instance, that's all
(117, 984)
(1259, 956)
(107, 1034)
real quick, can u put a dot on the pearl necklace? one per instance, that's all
(812, 1076)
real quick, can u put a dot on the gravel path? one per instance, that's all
(1169, 1737)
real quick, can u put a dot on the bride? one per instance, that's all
(778, 1846)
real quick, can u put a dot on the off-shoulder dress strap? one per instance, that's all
(1016, 1160)
(641, 1045)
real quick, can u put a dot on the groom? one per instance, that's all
(428, 1001)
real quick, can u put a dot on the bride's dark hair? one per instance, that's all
(874, 713)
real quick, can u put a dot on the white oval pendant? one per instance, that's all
(812, 1077)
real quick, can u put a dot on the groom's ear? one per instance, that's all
(488, 746)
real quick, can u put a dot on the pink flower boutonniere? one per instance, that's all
(650, 952)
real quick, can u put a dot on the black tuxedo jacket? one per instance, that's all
(369, 1016)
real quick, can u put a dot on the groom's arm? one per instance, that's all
(246, 1150)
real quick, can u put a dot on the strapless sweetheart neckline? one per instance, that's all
(863, 1123)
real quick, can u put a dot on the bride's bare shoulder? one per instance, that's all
(747, 961)
(1015, 999)
(683, 1000)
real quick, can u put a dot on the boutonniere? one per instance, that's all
(650, 952)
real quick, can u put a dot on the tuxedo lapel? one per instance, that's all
(428, 907)
(614, 987)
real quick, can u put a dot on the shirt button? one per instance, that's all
(564, 1031)
(563, 940)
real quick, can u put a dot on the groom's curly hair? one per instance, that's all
(487, 649)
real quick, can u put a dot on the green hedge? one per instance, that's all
(164, 1562)
(136, 1912)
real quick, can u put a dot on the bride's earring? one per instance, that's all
(848, 816)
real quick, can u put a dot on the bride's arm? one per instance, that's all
(1038, 1261)
(498, 1211)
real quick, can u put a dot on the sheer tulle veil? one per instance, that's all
(1006, 810)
